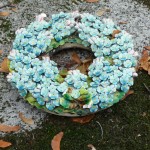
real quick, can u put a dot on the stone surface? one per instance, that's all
(136, 15)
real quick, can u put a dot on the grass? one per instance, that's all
(125, 127)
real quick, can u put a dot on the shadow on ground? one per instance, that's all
(126, 126)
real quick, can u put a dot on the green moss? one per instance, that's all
(146, 2)
(5, 27)
(124, 128)
(17, 1)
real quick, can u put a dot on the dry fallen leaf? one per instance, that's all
(56, 141)
(26, 120)
(92, 1)
(4, 66)
(69, 64)
(127, 94)
(87, 60)
(6, 128)
(1, 51)
(122, 22)
(149, 69)
(87, 63)
(83, 120)
(4, 144)
(144, 114)
(14, 9)
(115, 32)
(144, 61)
(84, 66)
(102, 11)
(76, 58)
(82, 69)
(91, 147)
(147, 48)
(4, 14)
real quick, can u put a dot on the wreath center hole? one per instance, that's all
(72, 58)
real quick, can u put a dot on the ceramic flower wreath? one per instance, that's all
(41, 83)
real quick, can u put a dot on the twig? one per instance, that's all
(146, 87)
(8, 5)
(101, 128)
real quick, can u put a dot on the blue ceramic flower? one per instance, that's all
(94, 108)
(40, 101)
(50, 105)
(62, 87)
(75, 94)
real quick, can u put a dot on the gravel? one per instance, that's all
(136, 15)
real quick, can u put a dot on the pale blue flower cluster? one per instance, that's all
(110, 72)
(76, 80)
(39, 80)
(60, 28)
(107, 79)
(36, 76)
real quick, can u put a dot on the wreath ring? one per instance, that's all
(71, 93)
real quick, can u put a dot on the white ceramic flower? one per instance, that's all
(134, 53)
(12, 53)
(9, 76)
(20, 30)
(68, 22)
(41, 17)
(46, 58)
(135, 74)
(88, 105)
(75, 14)
(75, 72)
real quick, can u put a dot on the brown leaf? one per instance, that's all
(4, 66)
(147, 48)
(8, 129)
(91, 147)
(92, 1)
(4, 144)
(84, 66)
(115, 32)
(4, 14)
(82, 69)
(87, 63)
(144, 114)
(69, 64)
(26, 120)
(127, 94)
(14, 9)
(87, 60)
(83, 120)
(122, 22)
(1, 51)
(76, 58)
(149, 69)
(144, 61)
(56, 141)
(102, 11)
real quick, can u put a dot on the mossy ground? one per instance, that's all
(126, 127)
(146, 2)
